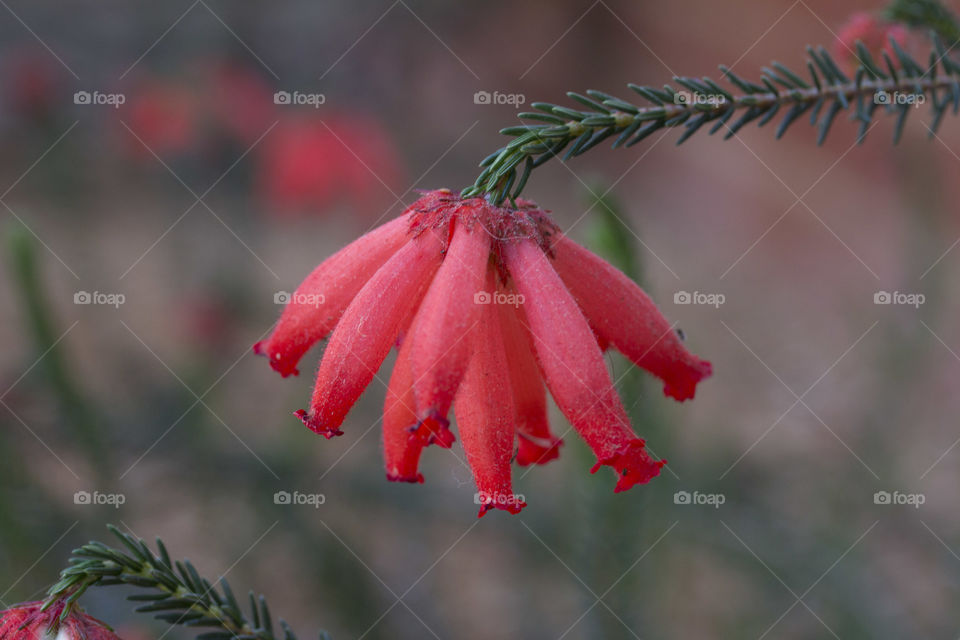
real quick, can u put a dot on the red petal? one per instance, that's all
(401, 451)
(485, 414)
(440, 351)
(11, 620)
(368, 329)
(632, 464)
(622, 314)
(42, 624)
(321, 299)
(536, 445)
(572, 365)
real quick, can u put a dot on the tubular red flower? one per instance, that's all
(440, 351)
(401, 450)
(573, 367)
(623, 315)
(367, 331)
(536, 445)
(28, 621)
(485, 414)
(316, 306)
(485, 315)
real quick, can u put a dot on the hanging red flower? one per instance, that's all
(488, 305)
(28, 621)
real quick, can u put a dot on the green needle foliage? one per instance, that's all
(898, 83)
(925, 14)
(24, 263)
(177, 593)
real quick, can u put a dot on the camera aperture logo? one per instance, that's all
(305, 299)
(899, 298)
(96, 498)
(98, 98)
(299, 99)
(99, 297)
(498, 297)
(696, 498)
(486, 97)
(697, 297)
(297, 498)
(899, 498)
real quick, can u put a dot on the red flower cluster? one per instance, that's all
(28, 622)
(165, 119)
(487, 304)
(309, 164)
(310, 161)
(874, 32)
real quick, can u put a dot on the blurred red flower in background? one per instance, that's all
(306, 160)
(27, 621)
(239, 102)
(311, 163)
(488, 304)
(164, 116)
(32, 84)
(874, 32)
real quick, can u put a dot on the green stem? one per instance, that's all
(179, 595)
(46, 337)
(898, 86)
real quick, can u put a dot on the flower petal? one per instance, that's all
(11, 620)
(368, 329)
(401, 450)
(320, 300)
(536, 445)
(485, 414)
(573, 368)
(622, 314)
(440, 351)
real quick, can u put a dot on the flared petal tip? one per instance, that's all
(509, 503)
(684, 387)
(537, 450)
(313, 423)
(632, 464)
(284, 366)
(433, 429)
(414, 478)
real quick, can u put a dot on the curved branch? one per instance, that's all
(898, 86)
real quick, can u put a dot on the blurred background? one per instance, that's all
(158, 200)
